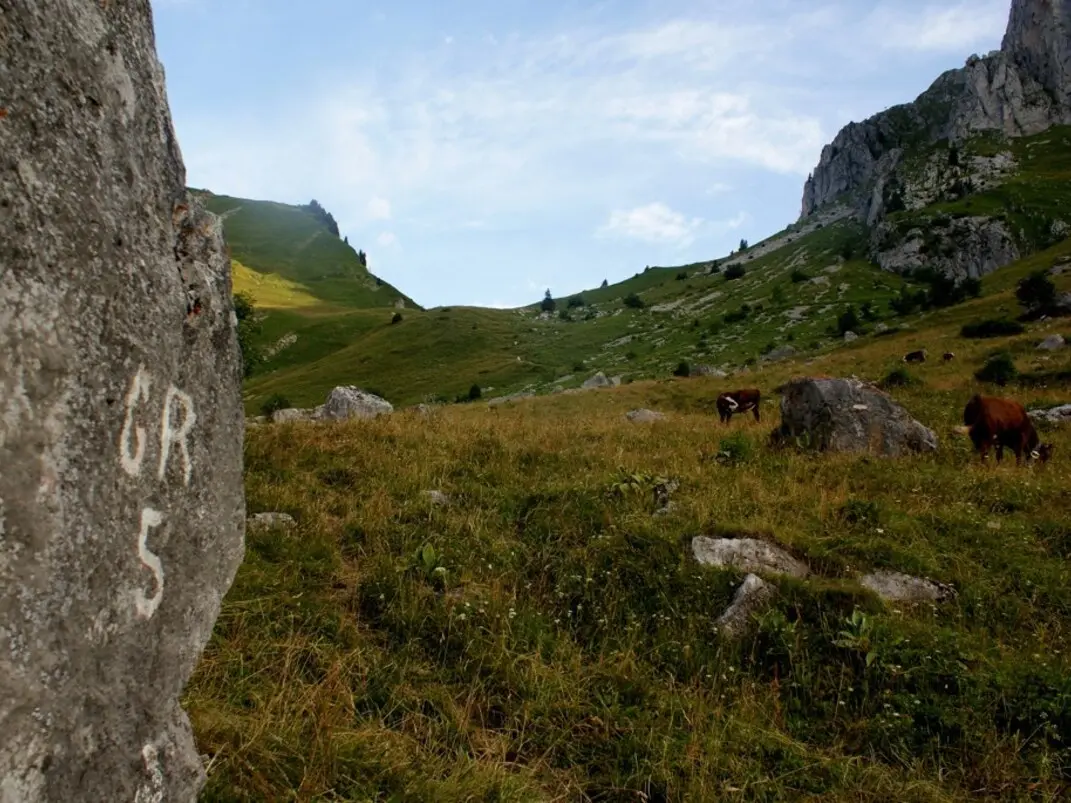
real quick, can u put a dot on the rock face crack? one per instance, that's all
(121, 504)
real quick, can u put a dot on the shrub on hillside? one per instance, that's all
(848, 321)
(734, 449)
(738, 315)
(563, 315)
(248, 327)
(274, 403)
(999, 369)
(798, 276)
(681, 276)
(899, 378)
(991, 327)
(682, 369)
(735, 272)
(397, 318)
(1036, 293)
(475, 393)
(633, 301)
(576, 301)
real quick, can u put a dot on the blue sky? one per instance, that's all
(483, 151)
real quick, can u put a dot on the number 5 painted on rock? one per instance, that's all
(147, 605)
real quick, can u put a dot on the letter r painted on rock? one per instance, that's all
(130, 459)
(170, 435)
(147, 605)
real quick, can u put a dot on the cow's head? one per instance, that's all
(1043, 453)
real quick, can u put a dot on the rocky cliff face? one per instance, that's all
(1022, 89)
(121, 503)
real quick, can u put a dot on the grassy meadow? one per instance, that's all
(545, 636)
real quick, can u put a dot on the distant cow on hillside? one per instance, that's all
(948, 356)
(738, 401)
(1003, 422)
(915, 356)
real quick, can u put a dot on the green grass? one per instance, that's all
(547, 638)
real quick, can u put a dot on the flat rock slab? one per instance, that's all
(290, 414)
(122, 512)
(897, 587)
(644, 416)
(746, 554)
(598, 381)
(849, 415)
(752, 597)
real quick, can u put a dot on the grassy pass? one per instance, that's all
(545, 638)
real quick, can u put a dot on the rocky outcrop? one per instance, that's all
(121, 504)
(1052, 343)
(848, 415)
(600, 380)
(1053, 415)
(958, 248)
(1022, 89)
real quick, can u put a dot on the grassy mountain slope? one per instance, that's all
(281, 246)
(545, 638)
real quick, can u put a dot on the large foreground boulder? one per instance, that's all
(848, 415)
(121, 503)
(350, 402)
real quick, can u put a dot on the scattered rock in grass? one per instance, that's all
(850, 337)
(778, 354)
(290, 414)
(643, 416)
(753, 595)
(746, 554)
(667, 510)
(1053, 415)
(597, 381)
(437, 498)
(351, 402)
(897, 587)
(849, 415)
(269, 521)
(662, 493)
(1052, 343)
(524, 394)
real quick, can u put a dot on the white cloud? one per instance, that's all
(387, 239)
(653, 223)
(939, 28)
(379, 209)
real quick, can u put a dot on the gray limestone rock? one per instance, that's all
(897, 587)
(269, 521)
(350, 402)
(753, 595)
(644, 416)
(1022, 89)
(961, 248)
(746, 554)
(1053, 415)
(849, 415)
(290, 414)
(524, 394)
(1052, 343)
(597, 381)
(436, 498)
(121, 504)
(780, 353)
(850, 337)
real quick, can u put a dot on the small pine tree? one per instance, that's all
(848, 321)
(743, 245)
(548, 304)
(475, 393)
(604, 284)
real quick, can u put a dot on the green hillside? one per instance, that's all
(284, 246)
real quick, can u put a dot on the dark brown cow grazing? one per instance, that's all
(1000, 423)
(948, 356)
(738, 401)
(916, 356)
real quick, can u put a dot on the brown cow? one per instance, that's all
(915, 356)
(1000, 423)
(738, 401)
